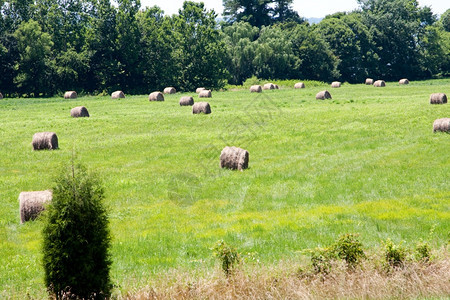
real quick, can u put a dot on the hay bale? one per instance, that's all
(170, 90)
(45, 140)
(234, 158)
(70, 95)
(156, 96)
(369, 81)
(198, 90)
(79, 111)
(201, 107)
(438, 98)
(31, 204)
(1, 96)
(256, 89)
(403, 81)
(442, 125)
(117, 95)
(269, 86)
(205, 94)
(335, 84)
(299, 85)
(379, 83)
(186, 101)
(323, 95)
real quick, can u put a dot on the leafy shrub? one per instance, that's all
(349, 248)
(228, 255)
(394, 255)
(76, 238)
(423, 251)
(321, 259)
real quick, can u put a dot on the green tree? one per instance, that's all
(255, 12)
(76, 238)
(445, 20)
(34, 65)
(200, 55)
(241, 48)
(283, 12)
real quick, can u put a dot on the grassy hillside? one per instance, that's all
(365, 162)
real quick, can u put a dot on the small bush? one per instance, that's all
(349, 248)
(423, 251)
(394, 255)
(321, 259)
(76, 238)
(228, 256)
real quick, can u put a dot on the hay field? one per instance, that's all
(364, 162)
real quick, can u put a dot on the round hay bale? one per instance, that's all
(442, 125)
(1, 96)
(269, 86)
(45, 140)
(117, 95)
(438, 98)
(379, 83)
(403, 81)
(156, 96)
(201, 107)
(170, 90)
(205, 94)
(335, 84)
(198, 90)
(31, 204)
(369, 81)
(299, 85)
(256, 89)
(70, 95)
(186, 101)
(323, 95)
(79, 112)
(234, 158)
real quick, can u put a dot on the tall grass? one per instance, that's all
(365, 162)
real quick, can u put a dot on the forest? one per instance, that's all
(95, 46)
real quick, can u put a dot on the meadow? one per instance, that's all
(364, 162)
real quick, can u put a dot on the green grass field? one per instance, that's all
(365, 162)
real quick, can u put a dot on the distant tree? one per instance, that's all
(255, 12)
(34, 66)
(283, 12)
(445, 20)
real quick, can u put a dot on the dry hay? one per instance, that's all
(117, 95)
(156, 96)
(403, 81)
(31, 204)
(79, 111)
(170, 90)
(70, 95)
(323, 95)
(269, 86)
(379, 83)
(369, 81)
(201, 107)
(335, 84)
(198, 90)
(186, 101)
(438, 98)
(234, 158)
(299, 85)
(256, 89)
(205, 94)
(45, 140)
(442, 125)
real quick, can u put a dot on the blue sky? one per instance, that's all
(309, 9)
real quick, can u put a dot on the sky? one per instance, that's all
(306, 8)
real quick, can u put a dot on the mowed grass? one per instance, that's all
(365, 162)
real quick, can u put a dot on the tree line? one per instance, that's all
(92, 46)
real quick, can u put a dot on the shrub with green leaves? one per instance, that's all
(349, 248)
(228, 256)
(76, 237)
(423, 251)
(321, 259)
(394, 255)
